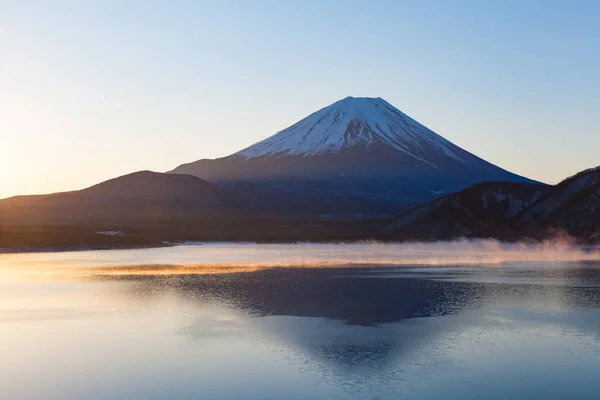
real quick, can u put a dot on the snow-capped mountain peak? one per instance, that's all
(350, 122)
(356, 155)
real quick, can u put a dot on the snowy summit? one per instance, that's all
(353, 121)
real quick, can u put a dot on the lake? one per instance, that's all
(464, 320)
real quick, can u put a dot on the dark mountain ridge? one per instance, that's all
(572, 206)
(141, 195)
(148, 208)
(509, 210)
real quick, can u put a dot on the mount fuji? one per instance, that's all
(358, 157)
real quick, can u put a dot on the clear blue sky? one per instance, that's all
(94, 89)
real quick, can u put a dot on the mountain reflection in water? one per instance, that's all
(370, 296)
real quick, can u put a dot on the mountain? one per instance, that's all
(483, 210)
(358, 156)
(141, 195)
(509, 210)
(572, 206)
(149, 208)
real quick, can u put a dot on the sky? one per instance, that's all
(90, 90)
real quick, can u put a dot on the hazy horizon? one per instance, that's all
(95, 91)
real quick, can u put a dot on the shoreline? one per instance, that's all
(57, 249)
(82, 248)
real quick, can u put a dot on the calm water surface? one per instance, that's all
(356, 322)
